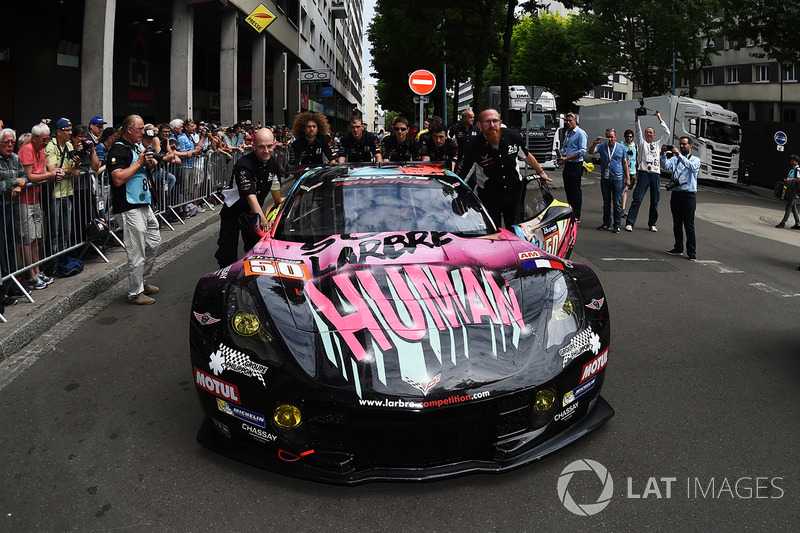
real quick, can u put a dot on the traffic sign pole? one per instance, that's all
(422, 82)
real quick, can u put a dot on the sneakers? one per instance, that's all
(37, 284)
(44, 279)
(796, 226)
(150, 289)
(615, 230)
(674, 251)
(8, 301)
(628, 227)
(141, 299)
(781, 225)
(201, 209)
(604, 227)
(653, 229)
(693, 258)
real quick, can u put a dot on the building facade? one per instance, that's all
(178, 58)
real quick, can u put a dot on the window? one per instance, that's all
(607, 94)
(761, 73)
(708, 76)
(731, 74)
(623, 80)
(590, 94)
(610, 81)
(790, 72)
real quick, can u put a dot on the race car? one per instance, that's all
(385, 329)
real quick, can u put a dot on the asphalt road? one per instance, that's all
(704, 374)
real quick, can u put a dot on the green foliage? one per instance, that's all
(640, 37)
(556, 53)
(773, 23)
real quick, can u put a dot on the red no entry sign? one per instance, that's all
(422, 82)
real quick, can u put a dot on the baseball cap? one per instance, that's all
(63, 123)
(97, 120)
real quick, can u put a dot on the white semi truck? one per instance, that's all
(532, 112)
(714, 130)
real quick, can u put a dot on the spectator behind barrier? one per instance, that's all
(31, 216)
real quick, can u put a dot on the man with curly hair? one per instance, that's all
(312, 142)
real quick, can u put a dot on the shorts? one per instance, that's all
(31, 224)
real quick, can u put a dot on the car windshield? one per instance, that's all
(346, 204)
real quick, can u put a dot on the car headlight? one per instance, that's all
(565, 312)
(248, 325)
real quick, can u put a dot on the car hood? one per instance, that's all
(410, 315)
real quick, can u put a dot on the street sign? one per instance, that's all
(327, 92)
(260, 18)
(422, 82)
(315, 75)
(781, 138)
(422, 99)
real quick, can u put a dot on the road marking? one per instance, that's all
(766, 288)
(722, 268)
(630, 259)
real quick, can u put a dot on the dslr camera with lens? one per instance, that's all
(158, 157)
(641, 110)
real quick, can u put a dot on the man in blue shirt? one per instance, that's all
(613, 168)
(684, 167)
(572, 159)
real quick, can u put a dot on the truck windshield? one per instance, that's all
(542, 121)
(719, 132)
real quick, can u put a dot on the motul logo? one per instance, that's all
(215, 386)
(594, 366)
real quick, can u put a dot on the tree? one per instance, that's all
(771, 23)
(552, 51)
(640, 38)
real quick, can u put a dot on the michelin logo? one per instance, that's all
(578, 391)
(241, 413)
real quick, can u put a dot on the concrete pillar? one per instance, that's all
(97, 63)
(181, 104)
(293, 92)
(276, 109)
(228, 70)
(258, 81)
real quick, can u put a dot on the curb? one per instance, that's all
(48, 315)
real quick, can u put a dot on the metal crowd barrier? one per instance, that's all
(44, 222)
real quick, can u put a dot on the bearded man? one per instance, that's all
(489, 162)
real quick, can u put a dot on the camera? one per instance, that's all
(158, 157)
(641, 110)
(669, 148)
(672, 184)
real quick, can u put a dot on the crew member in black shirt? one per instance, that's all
(436, 146)
(399, 145)
(466, 130)
(359, 146)
(255, 175)
(312, 143)
(489, 162)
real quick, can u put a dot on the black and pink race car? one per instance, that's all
(386, 329)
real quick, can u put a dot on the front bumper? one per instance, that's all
(516, 455)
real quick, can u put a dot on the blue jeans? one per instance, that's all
(612, 192)
(646, 180)
(60, 223)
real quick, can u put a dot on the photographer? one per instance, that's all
(131, 194)
(85, 185)
(649, 170)
(64, 168)
(682, 203)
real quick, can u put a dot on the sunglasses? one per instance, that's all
(400, 129)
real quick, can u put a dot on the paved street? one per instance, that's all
(100, 417)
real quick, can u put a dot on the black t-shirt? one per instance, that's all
(359, 150)
(407, 151)
(493, 167)
(253, 176)
(308, 153)
(447, 153)
(463, 135)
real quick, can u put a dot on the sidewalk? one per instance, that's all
(27, 321)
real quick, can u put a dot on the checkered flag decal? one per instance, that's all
(236, 361)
